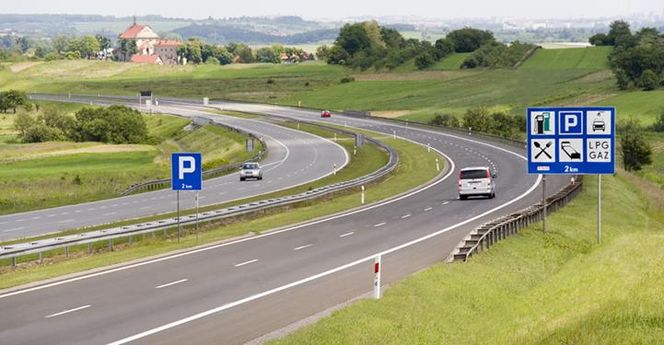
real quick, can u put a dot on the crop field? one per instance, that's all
(572, 58)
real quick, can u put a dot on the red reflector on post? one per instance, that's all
(376, 267)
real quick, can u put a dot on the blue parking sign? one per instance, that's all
(571, 122)
(187, 172)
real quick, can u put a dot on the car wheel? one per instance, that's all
(462, 197)
(241, 179)
(493, 195)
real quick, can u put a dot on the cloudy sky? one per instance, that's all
(336, 9)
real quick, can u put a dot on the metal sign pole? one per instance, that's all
(178, 213)
(599, 209)
(196, 216)
(544, 203)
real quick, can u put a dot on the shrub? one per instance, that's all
(270, 81)
(424, 61)
(347, 79)
(648, 80)
(635, 151)
(115, 124)
(445, 120)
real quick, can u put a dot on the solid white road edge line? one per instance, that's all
(171, 283)
(169, 257)
(317, 276)
(67, 311)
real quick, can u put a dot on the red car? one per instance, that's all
(325, 113)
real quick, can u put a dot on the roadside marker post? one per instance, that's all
(428, 147)
(362, 196)
(394, 134)
(377, 270)
(573, 141)
(186, 174)
(437, 165)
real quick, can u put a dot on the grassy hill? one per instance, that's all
(572, 58)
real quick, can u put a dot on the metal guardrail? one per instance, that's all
(40, 246)
(486, 235)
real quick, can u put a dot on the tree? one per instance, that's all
(636, 152)
(599, 39)
(266, 55)
(619, 33)
(23, 44)
(469, 39)
(22, 122)
(115, 124)
(61, 44)
(424, 61)
(353, 38)
(13, 99)
(443, 47)
(322, 52)
(649, 80)
(104, 42)
(127, 49)
(88, 46)
(658, 126)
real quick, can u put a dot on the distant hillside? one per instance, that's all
(229, 33)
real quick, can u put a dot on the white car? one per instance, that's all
(251, 170)
(476, 181)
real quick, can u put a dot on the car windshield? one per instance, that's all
(473, 174)
(250, 166)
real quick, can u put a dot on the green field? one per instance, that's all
(558, 288)
(79, 172)
(451, 62)
(572, 58)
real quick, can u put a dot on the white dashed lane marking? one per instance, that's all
(346, 234)
(246, 263)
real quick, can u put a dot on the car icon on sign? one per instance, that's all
(599, 125)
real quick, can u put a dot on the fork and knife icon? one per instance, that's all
(543, 149)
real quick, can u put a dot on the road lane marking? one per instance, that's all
(109, 214)
(66, 221)
(428, 209)
(246, 263)
(379, 224)
(35, 218)
(13, 229)
(346, 234)
(445, 203)
(20, 220)
(145, 207)
(67, 311)
(302, 247)
(405, 216)
(171, 283)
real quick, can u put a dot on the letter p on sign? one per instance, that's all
(571, 122)
(186, 165)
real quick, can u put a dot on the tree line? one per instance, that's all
(115, 125)
(637, 60)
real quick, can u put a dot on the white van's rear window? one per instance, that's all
(473, 174)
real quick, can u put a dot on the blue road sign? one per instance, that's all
(574, 140)
(187, 173)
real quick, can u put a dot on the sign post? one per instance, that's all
(573, 141)
(186, 174)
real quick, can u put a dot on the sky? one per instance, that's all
(340, 9)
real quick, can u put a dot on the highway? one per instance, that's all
(294, 158)
(237, 291)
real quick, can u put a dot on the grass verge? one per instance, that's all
(558, 288)
(415, 163)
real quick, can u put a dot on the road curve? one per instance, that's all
(234, 292)
(294, 158)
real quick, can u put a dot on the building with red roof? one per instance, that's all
(149, 44)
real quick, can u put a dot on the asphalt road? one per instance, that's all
(234, 292)
(294, 158)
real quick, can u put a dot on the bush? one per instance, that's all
(635, 151)
(658, 126)
(648, 80)
(212, 61)
(347, 79)
(115, 124)
(424, 61)
(445, 120)
(39, 132)
(270, 81)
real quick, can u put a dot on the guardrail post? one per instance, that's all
(66, 251)
(13, 261)
(90, 248)
(110, 245)
(41, 257)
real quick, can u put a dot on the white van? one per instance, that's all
(476, 181)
